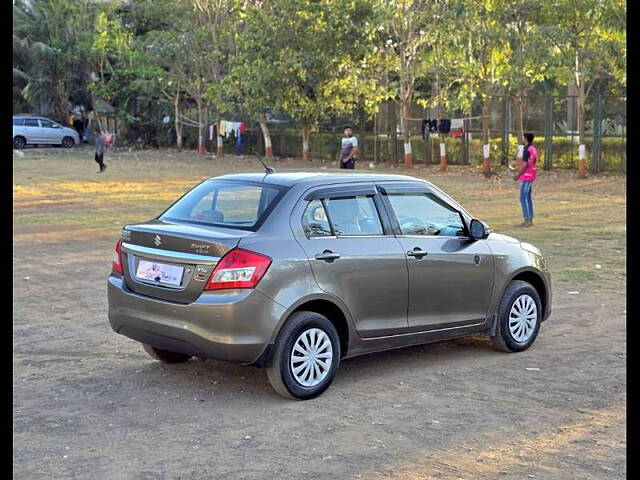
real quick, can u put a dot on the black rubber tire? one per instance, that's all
(165, 355)
(503, 340)
(279, 372)
(68, 142)
(19, 143)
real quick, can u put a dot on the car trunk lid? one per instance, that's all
(173, 261)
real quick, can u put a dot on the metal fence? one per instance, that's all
(551, 118)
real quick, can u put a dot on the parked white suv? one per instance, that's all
(42, 131)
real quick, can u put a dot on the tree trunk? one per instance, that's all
(363, 127)
(486, 118)
(201, 148)
(520, 122)
(306, 133)
(177, 121)
(443, 148)
(582, 160)
(219, 145)
(406, 133)
(268, 149)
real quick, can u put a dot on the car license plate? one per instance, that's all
(159, 272)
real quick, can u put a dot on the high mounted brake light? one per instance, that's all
(239, 268)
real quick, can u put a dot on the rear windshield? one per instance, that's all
(229, 204)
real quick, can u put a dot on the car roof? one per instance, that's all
(38, 117)
(290, 178)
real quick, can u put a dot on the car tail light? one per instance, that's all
(116, 265)
(239, 268)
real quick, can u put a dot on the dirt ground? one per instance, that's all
(89, 403)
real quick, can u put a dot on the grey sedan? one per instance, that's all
(295, 272)
(42, 131)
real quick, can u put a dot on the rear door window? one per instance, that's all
(354, 216)
(18, 122)
(226, 204)
(314, 220)
(31, 122)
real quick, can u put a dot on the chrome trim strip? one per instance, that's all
(170, 255)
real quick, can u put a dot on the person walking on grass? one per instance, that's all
(103, 141)
(349, 149)
(527, 175)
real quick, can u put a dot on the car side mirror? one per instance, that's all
(477, 230)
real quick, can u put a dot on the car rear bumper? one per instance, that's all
(232, 325)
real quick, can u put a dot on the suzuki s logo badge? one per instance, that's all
(157, 240)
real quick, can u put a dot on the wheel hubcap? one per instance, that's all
(311, 357)
(523, 318)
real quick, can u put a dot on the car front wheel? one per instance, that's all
(519, 317)
(305, 357)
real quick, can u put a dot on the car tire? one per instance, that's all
(19, 143)
(309, 381)
(165, 356)
(68, 142)
(519, 317)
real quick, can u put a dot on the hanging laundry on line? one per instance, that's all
(232, 128)
(457, 127)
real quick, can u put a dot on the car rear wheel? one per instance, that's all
(519, 317)
(165, 355)
(68, 142)
(19, 142)
(306, 356)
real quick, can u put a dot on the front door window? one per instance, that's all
(426, 214)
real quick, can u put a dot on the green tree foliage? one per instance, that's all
(587, 39)
(408, 26)
(528, 57)
(484, 60)
(310, 59)
(51, 46)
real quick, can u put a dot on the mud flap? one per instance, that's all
(492, 321)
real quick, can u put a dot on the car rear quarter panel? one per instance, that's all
(289, 280)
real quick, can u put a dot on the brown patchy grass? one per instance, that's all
(578, 223)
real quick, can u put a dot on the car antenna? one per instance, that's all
(267, 168)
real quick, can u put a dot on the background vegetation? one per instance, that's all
(310, 61)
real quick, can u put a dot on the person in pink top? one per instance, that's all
(527, 175)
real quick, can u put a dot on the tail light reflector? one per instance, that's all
(239, 268)
(116, 265)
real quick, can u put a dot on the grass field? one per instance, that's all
(579, 224)
(89, 404)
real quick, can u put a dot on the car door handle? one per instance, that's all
(327, 255)
(416, 252)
